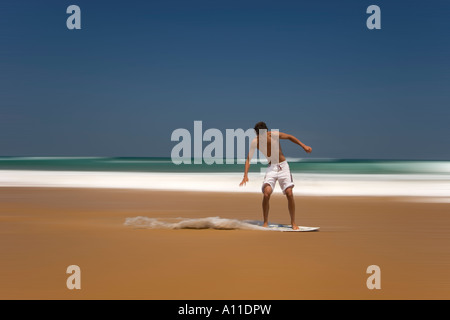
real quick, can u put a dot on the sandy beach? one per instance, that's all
(44, 230)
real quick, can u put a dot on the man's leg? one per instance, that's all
(291, 206)
(265, 204)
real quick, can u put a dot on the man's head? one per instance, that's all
(260, 126)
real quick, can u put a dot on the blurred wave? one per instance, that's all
(321, 177)
(164, 164)
(310, 184)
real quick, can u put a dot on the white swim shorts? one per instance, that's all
(278, 172)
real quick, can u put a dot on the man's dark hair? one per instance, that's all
(260, 125)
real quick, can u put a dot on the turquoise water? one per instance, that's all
(131, 164)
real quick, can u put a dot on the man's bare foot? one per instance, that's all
(294, 226)
(266, 225)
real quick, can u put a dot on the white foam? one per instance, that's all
(186, 223)
(407, 185)
(432, 199)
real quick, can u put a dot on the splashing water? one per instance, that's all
(186, 223)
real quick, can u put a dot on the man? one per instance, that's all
(269, 145)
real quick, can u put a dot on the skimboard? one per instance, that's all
(284, 227)
(288, 228)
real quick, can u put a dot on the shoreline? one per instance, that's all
(364, 185)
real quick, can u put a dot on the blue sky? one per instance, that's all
(137, 70)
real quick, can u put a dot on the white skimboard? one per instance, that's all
(288, 228)
(284, 227)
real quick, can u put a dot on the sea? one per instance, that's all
(418, 179)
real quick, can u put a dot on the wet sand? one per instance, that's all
(44, 230)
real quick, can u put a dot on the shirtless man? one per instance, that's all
(278, 170)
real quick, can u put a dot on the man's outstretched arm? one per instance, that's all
(247, 162)
(296, 141)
